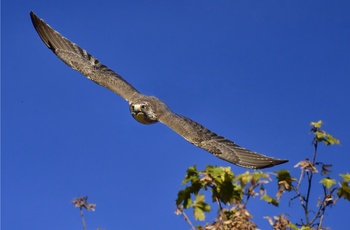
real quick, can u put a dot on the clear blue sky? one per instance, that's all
(256, 72)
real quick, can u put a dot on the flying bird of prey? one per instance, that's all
(148, 109)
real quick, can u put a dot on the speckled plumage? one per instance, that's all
(148, 109)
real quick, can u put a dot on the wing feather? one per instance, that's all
(80, 60)
(217, 145)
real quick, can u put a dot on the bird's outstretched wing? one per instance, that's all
(80, 60)
(217, 145)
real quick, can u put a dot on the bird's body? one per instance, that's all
(148, 109)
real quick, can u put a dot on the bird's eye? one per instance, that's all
(132, 107)
(143, 106)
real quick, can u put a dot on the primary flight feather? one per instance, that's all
(148, 109)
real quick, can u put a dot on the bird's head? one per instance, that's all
(147, 109)
(143, 112)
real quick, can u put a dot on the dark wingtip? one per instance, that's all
(277, 162)
(42, 29)
(34, 18)
(282, 161)
(36, 21)
(272, 162)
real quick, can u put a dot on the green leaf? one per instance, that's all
(222, 184)
(243, 178)
(191, 176)
(305, 228)
(258, 175)
(320, 135)
(317, 124)
(328, 182)
(198, 213)
(199, 207)
(344, 191)
(184, 197)
(346, 177)
(269, 200)
(293, 226)
(332, 140)
(284, 179)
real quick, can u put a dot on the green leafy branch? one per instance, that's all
(232, 192)
(308, 170)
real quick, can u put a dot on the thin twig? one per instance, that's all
(307, 198)
(309, 186)
(187, 219)
(300, 178)
(315, 153)
(321, 219)
(319, 214)
(82, 218)
(296, 189)
(219, 204)
(322, 210)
